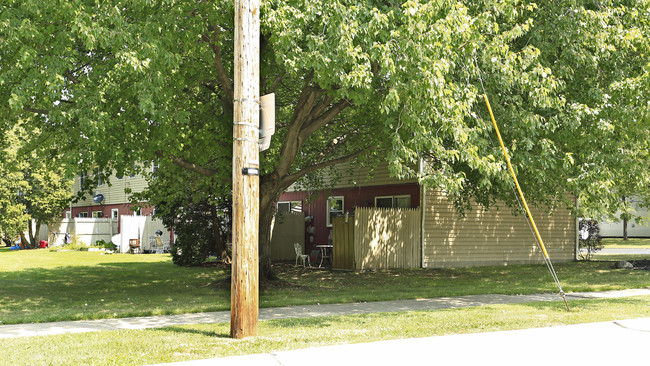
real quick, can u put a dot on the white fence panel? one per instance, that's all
(140, 227)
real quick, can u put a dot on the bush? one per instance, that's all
(201, 230)
(75, 245)
(105, 245)
(590, 239)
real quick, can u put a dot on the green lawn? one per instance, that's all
(40, 286)
(629, 243)
(181, 343)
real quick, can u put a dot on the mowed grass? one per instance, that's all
(629, 243)
(42, 286)
(182, 343)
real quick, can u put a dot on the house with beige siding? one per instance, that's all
(115, 201)
(108, 214)
(497, 236)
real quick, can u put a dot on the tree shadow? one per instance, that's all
(189, 330)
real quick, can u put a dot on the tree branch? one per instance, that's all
(275, 84)
(291, 145)
(222, 74)
(290, 179)
(37, 111)
(323, 119)
(72, 78)
(188, 165)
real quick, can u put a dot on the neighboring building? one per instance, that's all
(115, 201)
(482, 237)
(108, 214)
(612, 229)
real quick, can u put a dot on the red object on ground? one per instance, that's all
(43, 244)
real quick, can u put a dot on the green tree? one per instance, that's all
(31, 189)
(115, 82)
(13, 214)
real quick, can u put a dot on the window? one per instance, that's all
(289, 206)
(83, 214)
(98, 214)
(115, 213)
(119, 177)
(393, 201)
(68, 214)
(335, 206)
(99, 176)
(137, 211)
(154, 167)
(132, 174)
(82, 178)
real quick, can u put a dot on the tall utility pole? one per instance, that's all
(245, 172)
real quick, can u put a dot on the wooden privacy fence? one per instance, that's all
(288, 228)
(377, 238)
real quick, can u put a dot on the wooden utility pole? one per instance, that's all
(245, 172)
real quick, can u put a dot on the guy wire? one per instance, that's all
(521, 200)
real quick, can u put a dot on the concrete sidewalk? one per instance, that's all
(606, 343)
(40, 329)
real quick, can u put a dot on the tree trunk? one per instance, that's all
(30, 230)
(267, 214)
(216, 227)
(24, 241)
(269, 193)
(33, 236)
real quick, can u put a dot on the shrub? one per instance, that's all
(590, 239)
(105, 245)
(201, 230)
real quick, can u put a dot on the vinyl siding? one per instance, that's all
(347, 175)
(113, 194)
(494, 237)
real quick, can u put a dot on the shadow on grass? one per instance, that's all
(319, 322)
(189, 330)
(107, 290)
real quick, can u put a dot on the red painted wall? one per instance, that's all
(124, 209)
(315, 204)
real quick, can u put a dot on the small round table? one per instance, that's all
(325, 252)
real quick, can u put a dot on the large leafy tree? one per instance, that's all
(119, 81)
(31, 188)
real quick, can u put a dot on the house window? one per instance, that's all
(98, 214)
(132, 174)
(289, 206)
(82, 178)
(115, 213)
(335, 206)
(99, 176)
(137, 211)
(393, 201)
(83, 214)
(154, 167)
(68, 214)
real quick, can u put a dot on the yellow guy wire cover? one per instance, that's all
(514, 177)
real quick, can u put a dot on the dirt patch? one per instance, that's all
(642, 264)
(265, 285)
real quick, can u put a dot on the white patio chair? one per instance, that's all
(160, 247)
(301, 256)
